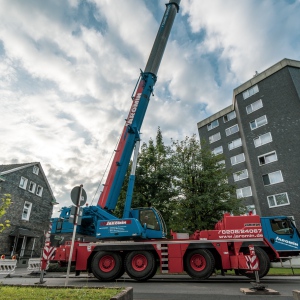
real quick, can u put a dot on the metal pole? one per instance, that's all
(74, 233)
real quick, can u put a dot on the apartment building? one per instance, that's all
(259, 134)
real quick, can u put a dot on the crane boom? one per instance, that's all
(130, 134)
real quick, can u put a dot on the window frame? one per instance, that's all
(28, 212)
(219, 152)
(41, 191)
(255, 122)
(251, 106)
(35, 170)
(265, 155)
(243, 154)
(229, 119)
(232, 142)
(221, 163)
(276, 205)
(236, 177)
(34, 187)
(259, 138)
(240, 189)
(214, 140)
(271, 183)
(209, 125)
(250, 92)
(24, 181)
(228, 130)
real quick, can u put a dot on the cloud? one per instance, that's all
(69, 68)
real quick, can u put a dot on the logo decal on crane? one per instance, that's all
(113, 223)
(133, 109)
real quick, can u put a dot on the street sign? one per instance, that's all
(75, 194)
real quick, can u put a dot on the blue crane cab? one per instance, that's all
(282, 234)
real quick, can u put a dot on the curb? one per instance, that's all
(125, 294)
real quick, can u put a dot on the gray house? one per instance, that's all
(30, 211)
(259, 136)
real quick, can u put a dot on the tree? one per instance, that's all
(4, 204)
(203, 190)
(153, 183)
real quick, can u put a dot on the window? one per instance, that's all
(240, 175)
(32, 187)
(221, 163)
(235, 144)
(251, 208)
(231, 130)
(36, 170)
(272, 178)
(217, 150)
(248, 93)
(261, 121)
(39, 190)
(229, 116)
(26, 211)
(267, 158)
(237, 159)
(263, 139)
(148, 217)
(23, 183)
(213, 125)
(244, 192)
(278, 200)
(254, 106)
(214, 138)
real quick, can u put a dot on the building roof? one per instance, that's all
(6, 169)
(215, 116)
(23, 232)
(263, 75)
(257, 78)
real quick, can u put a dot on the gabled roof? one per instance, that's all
(6, 169)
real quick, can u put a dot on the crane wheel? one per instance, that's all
(107, 266)
(264, 264)
(140, 265)
(199, 264)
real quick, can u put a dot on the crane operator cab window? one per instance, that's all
(282, 226)
(148, 217)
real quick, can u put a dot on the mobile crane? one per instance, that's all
(99, 221)
(136, 243)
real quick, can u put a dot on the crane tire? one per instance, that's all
(140, 265)
(107, 266)
(199, 264)
(264, 264)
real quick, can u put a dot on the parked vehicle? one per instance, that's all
(136, 244)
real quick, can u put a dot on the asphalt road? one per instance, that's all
(175, 287)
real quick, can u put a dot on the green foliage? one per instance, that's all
(153, 183)
(184, 182)
(46, 293)
(4, 204)
(203, 190)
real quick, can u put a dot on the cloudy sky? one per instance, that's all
(68, 69)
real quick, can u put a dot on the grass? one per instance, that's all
(284, 272)
(40, 293)
(274, 272)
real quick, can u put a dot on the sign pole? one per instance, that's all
(74, 233)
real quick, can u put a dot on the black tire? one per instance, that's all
(199, 264)
(264, 264)
(140, 265)
(107, 266)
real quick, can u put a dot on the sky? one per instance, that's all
(68, 69)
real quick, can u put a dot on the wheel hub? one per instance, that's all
(107, 263)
